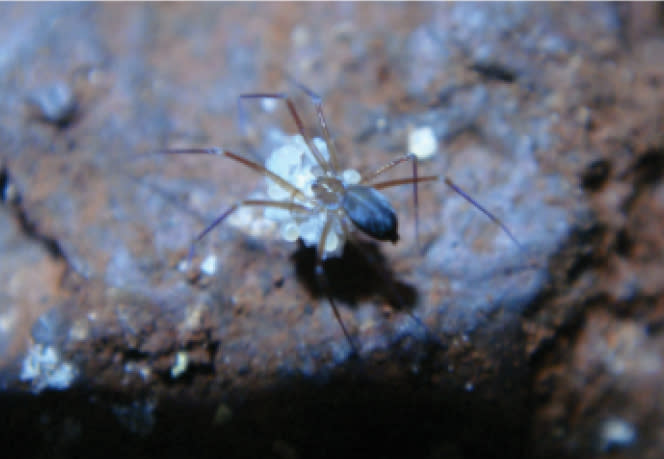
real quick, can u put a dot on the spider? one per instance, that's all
(319, 203)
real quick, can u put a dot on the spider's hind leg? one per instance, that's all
(322, 279)
(414, 180)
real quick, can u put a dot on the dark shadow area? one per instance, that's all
(360, 273)
(346, 418)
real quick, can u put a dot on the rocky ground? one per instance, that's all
(468, 344)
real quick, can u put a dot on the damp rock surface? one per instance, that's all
(546, 115)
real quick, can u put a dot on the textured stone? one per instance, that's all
(547, 115)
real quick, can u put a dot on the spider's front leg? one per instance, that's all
(320, 159)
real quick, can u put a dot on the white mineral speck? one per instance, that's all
(422, 142)
(183, 266)
(268, 105)
(617, 433)
(300, 35)
(44, 368)
(181, 364)
(8, 320)
(209, 265)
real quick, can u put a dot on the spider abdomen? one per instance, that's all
(370, 212)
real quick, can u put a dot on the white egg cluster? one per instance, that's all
(295, 163)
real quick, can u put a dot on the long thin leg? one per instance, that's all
(386, 167)
(403, 181)
(318, 103)
(287, 205)
(298, 121)
(322, 279)
(407, 157)
(283, 183)
(493, 218)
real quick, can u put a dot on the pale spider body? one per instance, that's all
(339, 199)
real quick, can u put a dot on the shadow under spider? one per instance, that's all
(360, 273)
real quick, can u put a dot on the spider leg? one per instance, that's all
(283, 183)
(493, 218)
(366, 178)
(321, 276)
(403, 181)
(287, 205)
(318, 104)
(407, 157)
(298, 121)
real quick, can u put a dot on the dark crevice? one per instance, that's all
(567, 332)
(494, 71)
(51, 245)
(644, 173)
(623, 243)
(638, 308)
(580, 256)
(134, 355)
(655, 327)
(595, 174)
(445, 96)
(649, 168)
(4, 184)
(587, 240)
(581, 264)
(13, 199)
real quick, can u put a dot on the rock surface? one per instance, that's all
(468, 345)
